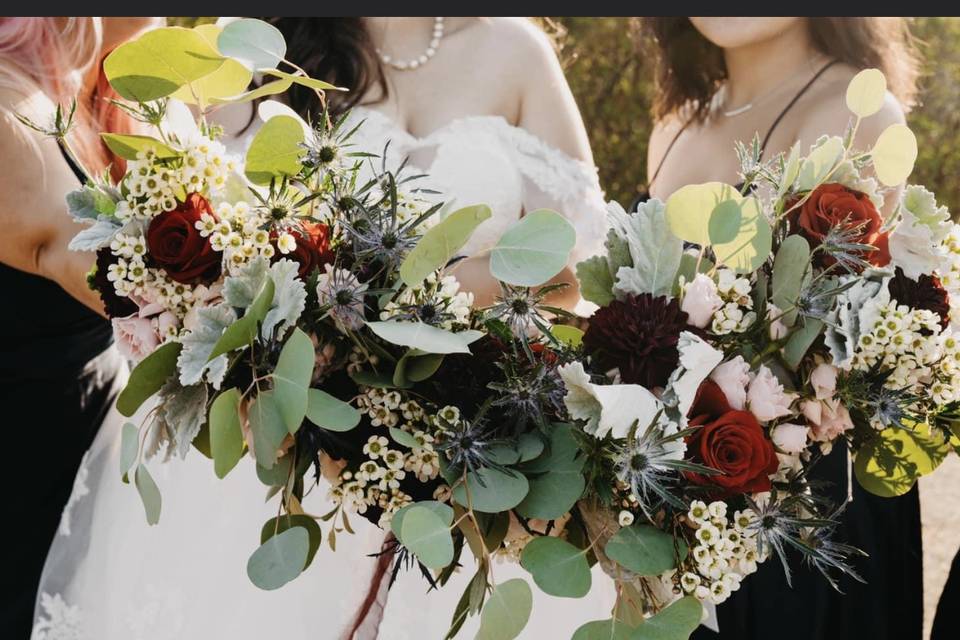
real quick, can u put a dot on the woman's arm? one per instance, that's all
(36, 228)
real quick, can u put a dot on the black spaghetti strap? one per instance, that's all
(803, 90)
(73, 165)
(667, 152)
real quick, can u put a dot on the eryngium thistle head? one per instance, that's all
(638, 335)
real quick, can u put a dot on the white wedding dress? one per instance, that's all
(110, 576)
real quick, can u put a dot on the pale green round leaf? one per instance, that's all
(676, 622)
(280, 559)
(554, 493)
(330, 413)
(724, 223)
(894, 154)
(443, 511)
(127, 146)
(268, 427)
(690, 208)
(253, 43)
(427, 536)
(278, 525)
(275, 150)
(533, 250)
(159, 62)
(507, 611)
(751, 246)
(226, 435)
(147, 377)
(609, 629)
(789, 268)
(129, 446)
(567, 334)
(149, 493)
(821, 161)
(442, 242)
(644, 550)
(866, 92)
(491, 491)
(230, 79)
(891, 464)
(558, 567)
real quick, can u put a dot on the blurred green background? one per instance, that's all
(606, 66)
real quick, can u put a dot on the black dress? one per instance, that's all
(58, 378)
(888, 607)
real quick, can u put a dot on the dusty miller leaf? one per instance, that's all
(289, 301)
(184, 411)
(198, 345)
(654, 251)
(95, 236)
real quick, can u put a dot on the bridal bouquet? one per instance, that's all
(295, 303)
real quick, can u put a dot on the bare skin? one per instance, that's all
(484, 66)
(769, 60)
(36, 179)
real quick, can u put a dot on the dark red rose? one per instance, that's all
(730, 441)
(313, 248)
(924, 293)
(834, 205)
(638, 335)
(176, 245)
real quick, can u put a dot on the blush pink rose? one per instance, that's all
(823, 379)
(733, 377)
(827, 418)
(766, 398)
(701, 301)
(789, 437)
(136, 336)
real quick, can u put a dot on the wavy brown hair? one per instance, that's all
(336, 50)
(690, 68)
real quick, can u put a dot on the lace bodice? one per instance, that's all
(486, 160)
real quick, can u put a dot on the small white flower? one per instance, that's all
(286, 243)
(375, 447)
(625, 518)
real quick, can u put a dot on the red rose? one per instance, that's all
(834, 205)
(176, 245)
(730, 441)
(313, 248)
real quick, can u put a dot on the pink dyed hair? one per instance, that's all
(54, 55)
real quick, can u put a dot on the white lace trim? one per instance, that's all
(79, 490)
(58, 620)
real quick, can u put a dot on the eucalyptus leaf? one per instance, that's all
(243, 331)
(507, 611)
(569, 335)
(724, 224)
(676, 622)
(425, 337)
(266, 89)
(820, 162)
(557, 567)
(427, 536)
(253, 43)
(894, 154)
(441, 243)
(229, 80)
(800, 341)
(148, 377)
(226, 435)
(305, 81)
(866, 92)
(644, 550)
(491, 490)
(268, 427)
(897, 457)
(291, 378)
(279, 524)
(280, 559)
(330, 413)
(689, 209)
(275, 151)
(129, 446)
(789, 269)
(554, 493)
(443, 511)
(127, 146)
(608, 629)
(149, 493)
(752, 244)
(533, 250)
(403, 438)
(159, 62)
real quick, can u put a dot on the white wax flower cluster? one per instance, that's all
(153, 184)
(923, 358)
(377, 481)
(238, 234)
(726, 553)
(434, 299)
(950, 271)
(736, 315)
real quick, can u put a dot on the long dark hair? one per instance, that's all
(336, 50)
(690, 68)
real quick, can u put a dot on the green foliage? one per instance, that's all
(558, 567)
(891, 464)
(149, 493)
(643, 549)
(533, 250)
(491, 490)
(280, 559)
(277, 525)
(676, 622)
(275, 150)
(442, 242)
(226, 436)
(147, 378)
(291, 379)
(330, 413)
(507, 611)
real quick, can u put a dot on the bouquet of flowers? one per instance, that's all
(296, 304)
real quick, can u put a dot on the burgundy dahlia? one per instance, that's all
(637, 335)
(114, 305)
(924, 293)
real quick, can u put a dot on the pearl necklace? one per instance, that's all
(423, 58)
